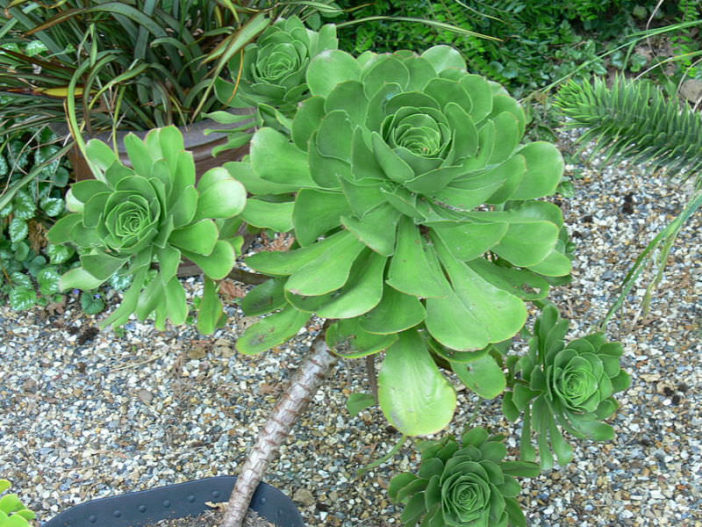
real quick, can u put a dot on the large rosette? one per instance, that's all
(415, 218)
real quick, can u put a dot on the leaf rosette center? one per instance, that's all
(418, 133)
(465, 495)
(131, 221)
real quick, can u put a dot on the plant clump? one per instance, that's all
(416, 221)
(13, 513)
(565, 386)
(462, 484)
(152, 212)
(272, 70)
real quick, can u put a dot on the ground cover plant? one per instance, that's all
(420, 235)
(30, 267)
(13, 512)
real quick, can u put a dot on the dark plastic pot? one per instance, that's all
(136, 509)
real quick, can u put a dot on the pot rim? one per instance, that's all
(139, 508)
(194, 134)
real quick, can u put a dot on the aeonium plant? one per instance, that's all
(564, 386)
(418, 234)
(270, 76)
(131, 218)
(416, 223)
(463, 484)
(272, 70)
(13, 513)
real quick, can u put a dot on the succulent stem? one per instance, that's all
(304, 385)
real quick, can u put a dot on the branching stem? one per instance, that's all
(304, 385)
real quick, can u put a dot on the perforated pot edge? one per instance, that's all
(137, 509)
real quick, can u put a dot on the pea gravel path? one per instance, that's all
(85, 416)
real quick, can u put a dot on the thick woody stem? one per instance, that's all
(304, 385)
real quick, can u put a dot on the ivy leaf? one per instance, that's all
(22, 298)
(23, 205)
(48, 280)
(91, 303)
(5, 212)
(19, 280)
(59, 253)
(20, 250)
(35, 265)
(18, 230)
(51, 206)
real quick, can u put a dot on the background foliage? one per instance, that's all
(540, 41)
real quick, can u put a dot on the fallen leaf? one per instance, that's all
(198, 349)
(231, 289)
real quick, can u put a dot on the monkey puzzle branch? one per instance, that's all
(304, 385)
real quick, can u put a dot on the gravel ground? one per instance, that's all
(87, 414)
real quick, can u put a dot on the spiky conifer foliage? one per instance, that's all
(633, 119)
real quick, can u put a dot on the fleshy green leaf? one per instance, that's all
(79, 278)
(316, 212)
(100, 155)
(139, 155)
(475, 313)
(377, 229)
(176, 305)
(410, 269)
(469, 240)
(395, 312)
(264, 298)
(527, 244)
(199, 237)
(413, 394)
(483, 376)
(274, 158)
(223, 199)
(357, 402)
(269, 214)
(444, 57)
(219, 263)
(101, 265)
(360, 293)
(544, 171)
(329, 68)
(348, 340)
(272, 331)
(328, 272)
(210, 309)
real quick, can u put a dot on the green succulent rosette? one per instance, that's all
(565, 387)
(273, 69)
(414, 210)
(13, 513)
(153, 212)
(464, 484)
